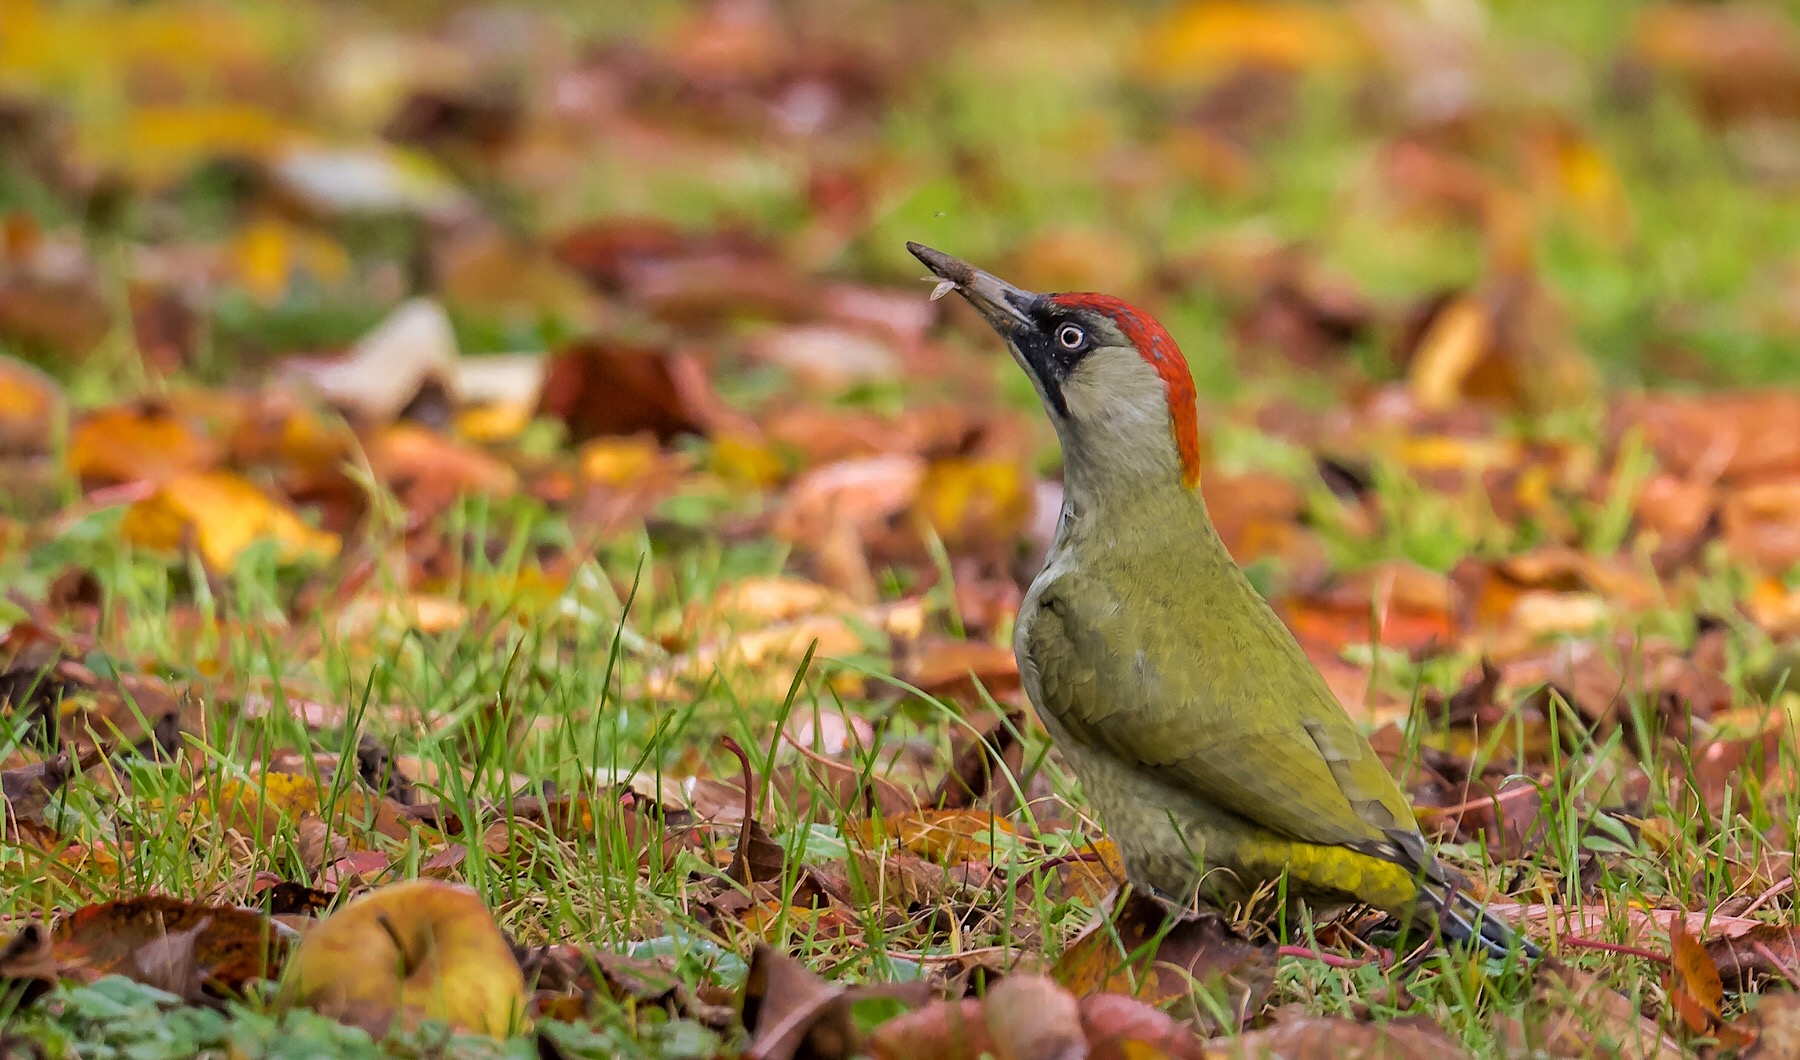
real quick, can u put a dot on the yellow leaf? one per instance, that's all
(162, 142)
(1203, 39)
(270, 252)
(223, 514)
(971, 502)
(258, 805)
(946, 836)
(491, 424)
(746, 461)
(1457, 340)
(620, 461)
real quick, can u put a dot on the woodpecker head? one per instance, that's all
(1112, 380)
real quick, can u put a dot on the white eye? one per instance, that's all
(1070, 337)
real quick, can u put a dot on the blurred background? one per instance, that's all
(1501, 201)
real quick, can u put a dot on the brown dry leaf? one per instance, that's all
(1505, 343)
(1324, 1038)
(1764, 951)
(28, 966)
(1575, 1014)
(368, 615)
(193, 950)
(53, 303)
(144, 441)
(1727, 437)
(1741, 61)
(32, 409)
(1398, 605)
(757, 856)
(487, 271)
(1031, 1017)
(868, 494)
(1772, 1027)
(790, 1012)
(222, 514)
(829, 358)
(612, 388)
(1759, 524)
(1126, 1027)
(26, 790)
(949, 1030)
(950, 669)
(973, 775)
(1128, 952)
(1692, 984)
(428, 470)
(948, 837)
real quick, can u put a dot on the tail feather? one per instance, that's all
(1461, 919)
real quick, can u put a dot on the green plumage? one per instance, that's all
(1197, 725)
(1217, 757)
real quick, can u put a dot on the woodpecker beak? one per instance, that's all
(1004, 306)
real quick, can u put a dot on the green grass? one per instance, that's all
(545, 686)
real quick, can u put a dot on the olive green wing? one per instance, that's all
(1245, 723)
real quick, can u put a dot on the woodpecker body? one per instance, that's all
(1217, 757)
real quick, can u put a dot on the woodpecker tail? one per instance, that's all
(1460, 918)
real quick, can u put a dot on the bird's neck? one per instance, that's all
(1147, 514)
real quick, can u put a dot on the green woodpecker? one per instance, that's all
(1219, 761)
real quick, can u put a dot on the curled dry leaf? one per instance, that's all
(790, 1012)
(190, 949)
(412, 350)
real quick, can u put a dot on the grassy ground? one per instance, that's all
(1669, 252)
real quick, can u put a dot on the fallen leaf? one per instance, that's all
(1762, 951)
(790, 1012)
(143, 441)
(1693, 985)
(413, 349)
(32, 409)
(1325, 1038)
(1773, 1027)
(613, 388)
(1127, 951)
(828, 357)
(222, 514)
(1574, 1014)
(193, 950)
(1126, 1027)
(1201, 40)
(948, 837)
(949, 1030)
(1031, 1017)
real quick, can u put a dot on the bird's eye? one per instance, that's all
(1070, 337)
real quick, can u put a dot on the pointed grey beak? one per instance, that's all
(1003, 305)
